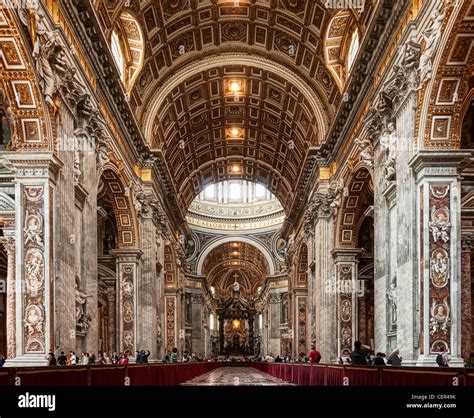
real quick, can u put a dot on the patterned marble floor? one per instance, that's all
(236, 376)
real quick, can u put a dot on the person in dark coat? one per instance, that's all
(62, 359)
(144, 356)
(395, 359)
(379, 359)
(360, 353)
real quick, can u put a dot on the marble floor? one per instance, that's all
(236, 376)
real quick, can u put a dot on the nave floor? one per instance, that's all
(236, 376)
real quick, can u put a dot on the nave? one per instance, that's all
(236, 376)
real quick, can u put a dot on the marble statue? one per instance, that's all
(366, 152)
(44, 43)
(77, 167)
(389, 141)
(432, 38)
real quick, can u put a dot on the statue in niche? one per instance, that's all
(392, 295)
(432, 37)
(77, 167)
(83, 319)
(6, 122)
(109, 243)
(389, 141)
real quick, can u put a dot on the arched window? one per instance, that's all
(353, 49)
(117, 54)
(128, 48)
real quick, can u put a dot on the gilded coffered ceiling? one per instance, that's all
(184, 102)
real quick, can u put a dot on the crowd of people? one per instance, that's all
(361, 355)
(173, 357)
(86, 359)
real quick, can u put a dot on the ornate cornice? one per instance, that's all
(87, 31)
(378, 36)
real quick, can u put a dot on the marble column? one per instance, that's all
(300, 315)
(9, 244)
(221, 334)
(111, 322)
(346, 299)
(127, 279)
(198, 321)
(324, 290)
(34, 284)
(439, 254)
(146, 289)
(274, 335)
(467, 241)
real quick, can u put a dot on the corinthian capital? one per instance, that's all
(148, 207)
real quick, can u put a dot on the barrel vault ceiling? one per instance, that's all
(183, 99)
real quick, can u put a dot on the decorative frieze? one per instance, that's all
(34, 303)
(439, 262)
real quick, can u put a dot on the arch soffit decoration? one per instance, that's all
(358, 185)
(32, 129)
(301, 277)
(225, 255)
(124, 211)
(438, 119)
(219, 241)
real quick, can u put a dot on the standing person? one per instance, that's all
(115, 358)
(106, 358)
(186, 357)
(62, 359)
(51, 359)
(395, 359)
(2, 360)
(138, 357)
(442, 359)
(85, 359)
(100, 359)
(314, 355)
(72, 360)
(174, 355)
(379, 359)
(123, 359)
(360, 353)
(145, 356)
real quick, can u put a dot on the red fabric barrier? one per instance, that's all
(334, 376)
(108, 376)
(398, 376)
(304, 378)
(4, 378)
(318, 375)
(58, 376)
(470, 379)
(141, 375)
(361, 376)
